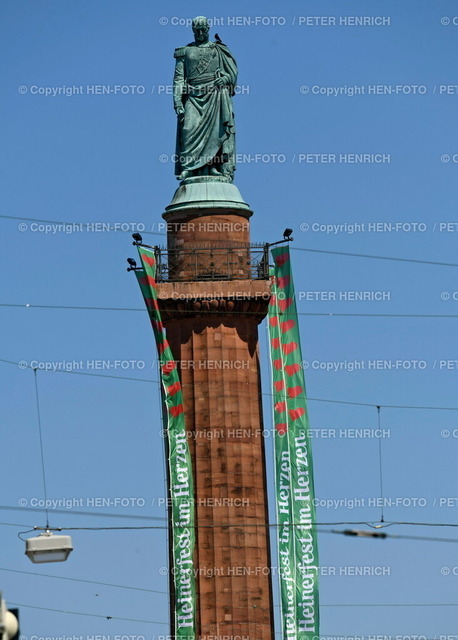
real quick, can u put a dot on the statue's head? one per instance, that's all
(200, 28)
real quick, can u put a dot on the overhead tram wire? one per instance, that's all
(16, 524)
(103, 584)
(373, 257)
(78, 513)
(276, 633)
(294, 248)
(150, 381)
(377, 528)
(377, 531)
(364, 604)
(45, 492)
(164, 519)
(87, 222)
(232, 313)
(82, 613)
(380, 463)
(381, 534)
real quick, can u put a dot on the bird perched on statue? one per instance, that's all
(218, 39)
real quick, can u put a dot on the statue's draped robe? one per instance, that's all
(206, 134)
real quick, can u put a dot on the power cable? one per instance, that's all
(361, 404)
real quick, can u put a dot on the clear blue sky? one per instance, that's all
(87, 158)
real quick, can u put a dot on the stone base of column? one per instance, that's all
(219, 367)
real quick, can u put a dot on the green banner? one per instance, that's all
(297, 540)
(180, 467)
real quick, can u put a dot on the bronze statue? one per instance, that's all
(203, 86)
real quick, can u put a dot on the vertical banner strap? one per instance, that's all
(180, 467)
(294, 488)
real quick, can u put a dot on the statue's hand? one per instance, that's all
(221, 81)
(180, 111)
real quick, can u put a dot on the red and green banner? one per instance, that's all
(297, 540)
(180, 467)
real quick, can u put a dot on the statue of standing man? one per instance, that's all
(203, 86)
